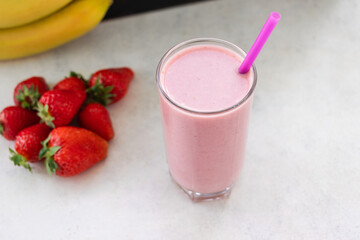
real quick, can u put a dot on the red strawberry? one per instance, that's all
(58, 107)
(70, 150)
(14, 119)
(74, 82)
(28, 92)
(96, 118)
(28, 145)
(108, 86)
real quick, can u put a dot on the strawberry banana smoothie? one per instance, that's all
(205, 105)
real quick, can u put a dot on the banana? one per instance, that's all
(74, 20)
(15, 13)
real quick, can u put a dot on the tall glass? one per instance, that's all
(204, 149)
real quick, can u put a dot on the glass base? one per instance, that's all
(202, 197)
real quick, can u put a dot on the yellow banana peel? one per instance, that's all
(70, 22)
(15, 13)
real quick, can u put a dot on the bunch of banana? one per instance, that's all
(32, 26)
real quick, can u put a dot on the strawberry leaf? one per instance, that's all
(99, 93)
(53, 150)
(19, 160)
(28, 97)
(44, 148)
(48, 154)
(51, 166)
(1, 129)
(44, 114)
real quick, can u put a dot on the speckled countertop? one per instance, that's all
(302, 170)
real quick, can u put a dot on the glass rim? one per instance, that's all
(208, 40)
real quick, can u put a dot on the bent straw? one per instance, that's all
(259, 42)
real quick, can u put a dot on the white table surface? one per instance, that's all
(302, 170)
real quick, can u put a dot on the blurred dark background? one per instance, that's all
(121, 8)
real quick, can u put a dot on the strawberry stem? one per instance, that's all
(48, 154)
(44, 114)
(1, 128)
(19, 160)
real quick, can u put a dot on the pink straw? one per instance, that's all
(259, 42)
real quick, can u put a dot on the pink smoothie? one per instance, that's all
(205, 151)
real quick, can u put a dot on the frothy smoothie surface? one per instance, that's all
(205, 78)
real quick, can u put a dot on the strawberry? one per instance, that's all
(108, 86)
(28, 145)
(14, 119)
(58, 107)
(70, 150)
(28, 92)
(96, 118)
(74, 82)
